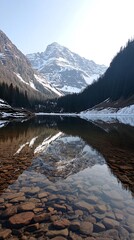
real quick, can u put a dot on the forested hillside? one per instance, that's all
(116, 84)
(18, 77)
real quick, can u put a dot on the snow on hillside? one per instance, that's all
(4, 104)
(123, 115)
(45, 83)
(65, 70)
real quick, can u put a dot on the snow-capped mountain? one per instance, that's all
(65, 70)
(16, 69)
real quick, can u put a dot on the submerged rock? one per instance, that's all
(5, 233)
(86, 228)
(21, 219)
(54, 233)
(110, 223)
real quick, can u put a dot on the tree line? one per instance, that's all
(117, 83)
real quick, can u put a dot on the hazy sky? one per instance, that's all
(95, 29)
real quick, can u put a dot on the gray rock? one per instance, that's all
(110, 223)
(98, 227)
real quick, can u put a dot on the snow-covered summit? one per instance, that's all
(64, 69)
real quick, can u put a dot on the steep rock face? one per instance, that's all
(16, 69)
(65, 70)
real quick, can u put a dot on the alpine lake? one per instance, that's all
(66, 178)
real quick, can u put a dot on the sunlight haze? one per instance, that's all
(95, 29)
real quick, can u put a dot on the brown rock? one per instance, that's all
(42, 217)
(123, 233)
(111, 234)
(86, 228)
(32, 228)
(54, 218)
(5, 233)
(13, 195)
(53, 197)
(60, 207)
(27, 206)
(99, 216)
(61, 224)
(110, 223)
(43, 195)
(93, 199)
(10, 211)
(101, 208)
(54, 233)
(7, 205)
(85, 206)
(34, 190)
(44, 200)
(21, 219)
(79, 212)
(38, 210)
(74, 236)
(110, 215)
(90, 218)
(1, 200)
(119, 216)
(31, 190)
(18, 199)
(51, 210)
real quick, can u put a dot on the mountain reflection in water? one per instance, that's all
(70, 170)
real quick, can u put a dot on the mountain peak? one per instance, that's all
(65, 70)
(54, 44)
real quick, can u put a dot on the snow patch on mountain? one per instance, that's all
(20, 78)
(69, 89)
(65, 70)
(45, 83)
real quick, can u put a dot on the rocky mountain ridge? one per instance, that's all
(16, 69)
(65, 70)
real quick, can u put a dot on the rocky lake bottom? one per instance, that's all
(66, 179)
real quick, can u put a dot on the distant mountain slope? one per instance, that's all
(65, 70)
(16, 69)
(117, 85)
